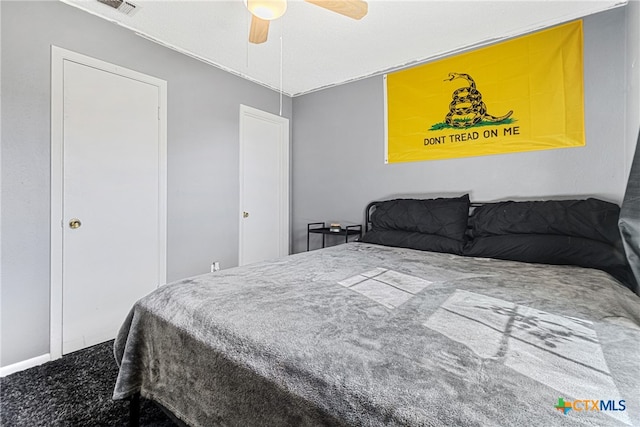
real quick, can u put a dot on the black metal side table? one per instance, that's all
(321, 228)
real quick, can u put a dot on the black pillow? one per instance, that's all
(413, 240)
(592, 219)
(553, 249)
(446, 217)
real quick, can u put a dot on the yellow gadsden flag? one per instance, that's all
(524, 94)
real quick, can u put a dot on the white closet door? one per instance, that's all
(112, 245)
(264, 186)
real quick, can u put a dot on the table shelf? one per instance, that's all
(321, 228)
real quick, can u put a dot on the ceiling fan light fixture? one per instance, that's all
(267, 9)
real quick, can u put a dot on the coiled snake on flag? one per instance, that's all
(468, 101)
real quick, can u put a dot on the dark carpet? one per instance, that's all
(72, 391)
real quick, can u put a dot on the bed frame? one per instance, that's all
(135, 400)
(134, 412)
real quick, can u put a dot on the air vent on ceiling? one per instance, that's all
(123, 6)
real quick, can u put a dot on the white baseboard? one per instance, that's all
(25, 364)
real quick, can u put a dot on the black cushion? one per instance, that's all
(413, 240)
(446, 217)
(592, 219)
(553, 249)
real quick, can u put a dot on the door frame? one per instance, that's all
(283, 122)
(58, 56)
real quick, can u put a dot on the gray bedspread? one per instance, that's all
(367, 335)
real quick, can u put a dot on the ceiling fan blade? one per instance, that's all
(259, 30)
(355, 9)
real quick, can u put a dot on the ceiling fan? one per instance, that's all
(264, 11)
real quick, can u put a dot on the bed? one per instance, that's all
(372, 333)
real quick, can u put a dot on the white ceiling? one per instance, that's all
(310, 48)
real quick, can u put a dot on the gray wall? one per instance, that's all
(203, 180)
(338, 147)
